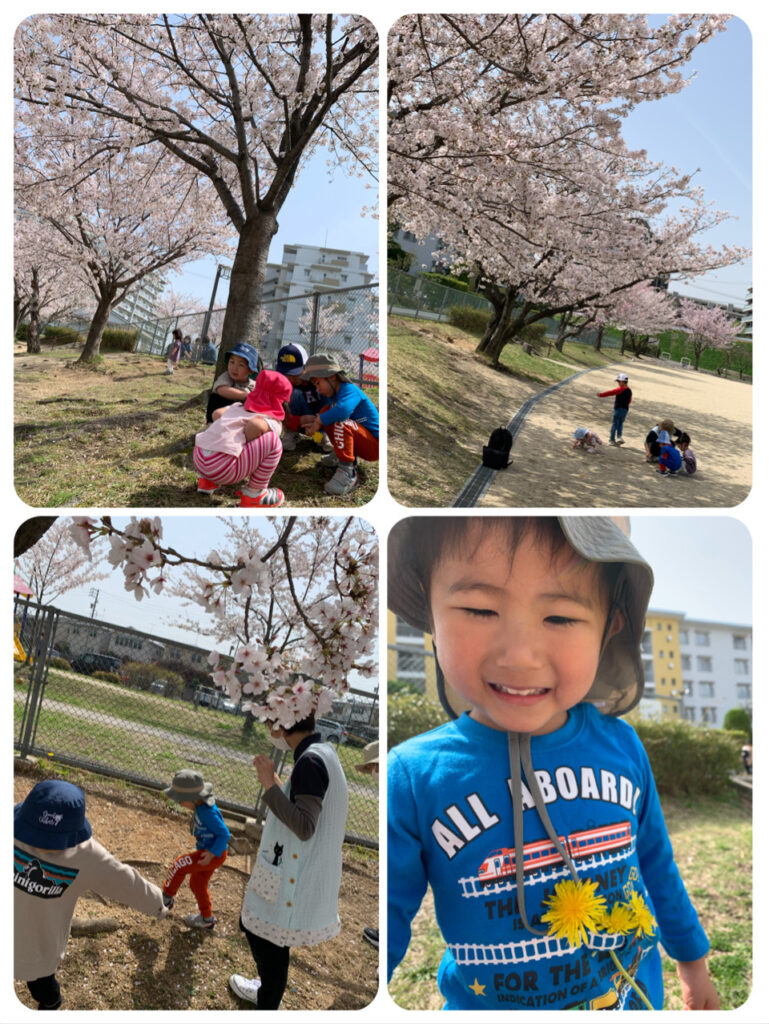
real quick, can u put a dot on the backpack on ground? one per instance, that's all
(496, 452)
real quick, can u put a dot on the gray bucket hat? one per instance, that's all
(321, 365)
(189, 785)
(619, 681)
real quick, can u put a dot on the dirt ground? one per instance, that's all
(164, 965)
(548, 472)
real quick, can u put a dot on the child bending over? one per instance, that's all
(243, 443)
(585, 439)
(534, 818)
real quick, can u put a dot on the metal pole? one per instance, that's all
(207, 320)
(314, 327)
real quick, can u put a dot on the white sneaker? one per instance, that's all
(198, 921)
(245, 988)
(342, 482)
(289, 440)
(330, 459)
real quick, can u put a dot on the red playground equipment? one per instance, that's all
(369, 377)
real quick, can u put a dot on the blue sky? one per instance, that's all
(708, 126)
(702, 565)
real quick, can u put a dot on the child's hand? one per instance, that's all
(698, 991)
(205, 858)
(255, 427)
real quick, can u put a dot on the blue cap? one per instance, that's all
(291, 360)
(579, 433)
(247, 352)
(663, 437)
(52, 817)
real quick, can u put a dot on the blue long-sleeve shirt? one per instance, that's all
(450, 824)
(350, 403)
(209, 829)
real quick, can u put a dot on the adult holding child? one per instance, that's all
(293, 894)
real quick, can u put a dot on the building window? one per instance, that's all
(659, 625)
(704, 664)
(741, 667)
(744, 691)
(701, 638)
(686, 662)
(687, 714)
(687, 687)
(411, 665)
(683, 636)
(646, 642)
(708, 716)
(662, 654)
(648, 671)
(706, 689)
(671, 654)
(739, 642)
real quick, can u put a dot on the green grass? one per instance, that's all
(122, 436)
(712, 841)
(171, 734)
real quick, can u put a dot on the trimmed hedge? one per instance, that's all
(61, 663)
(118, 339)
(409, 714)
(474, 321)
(687, 759)
(63, 336)
(107, 677)
(140, 674)
(447, 280)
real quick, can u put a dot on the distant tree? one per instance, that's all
(56, 564)
(738, 720)
(707, 327)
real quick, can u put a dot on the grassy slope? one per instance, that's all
(442, 397)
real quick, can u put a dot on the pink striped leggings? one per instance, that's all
(255, 464)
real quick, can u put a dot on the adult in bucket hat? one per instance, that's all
(514, 812)
(56, 860)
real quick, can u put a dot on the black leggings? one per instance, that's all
(272, 964)
(46, 991)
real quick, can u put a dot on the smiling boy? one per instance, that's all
(536, 625)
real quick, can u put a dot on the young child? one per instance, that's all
(56, 860)
(651, 442)
(235, 384)
(305, 400)
(537, 625)
(240, 445)
(349, 419)
(587, 440)
(670, 460)
(688, 458)
(174, 352)
(623, 396)
(211, 840)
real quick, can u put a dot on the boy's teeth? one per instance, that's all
(519, 693)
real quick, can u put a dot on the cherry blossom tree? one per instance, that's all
(44, 288)
(505, 140)
(172, 304)
(56, 564)
(707, 327)
(240, 99)
(640, 312)
(119, 212)
(302, 605)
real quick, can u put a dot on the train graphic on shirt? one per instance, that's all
(499, 866)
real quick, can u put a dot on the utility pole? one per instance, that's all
(94, 593)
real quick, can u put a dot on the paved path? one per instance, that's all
(548, 473)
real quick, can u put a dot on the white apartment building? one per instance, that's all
(140, 303)
(311, 268)
(695, 669)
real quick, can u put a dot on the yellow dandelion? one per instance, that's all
(618, 921)
(642, 919)
(573, 909)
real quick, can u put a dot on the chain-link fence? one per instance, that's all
(409, 295)
(77, 700)
(344, 322)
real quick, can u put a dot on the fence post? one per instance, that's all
(41, 641)
(314, 326)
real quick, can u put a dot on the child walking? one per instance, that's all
(56, 860)
(623, 396)
(174, 352)
(211, 840)
(243, 443)
(534, 817)
(350, 421)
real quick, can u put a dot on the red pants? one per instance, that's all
(188, 864)
(351, 439)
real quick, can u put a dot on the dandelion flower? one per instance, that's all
(642, 919)
(573, 909)
(618, 920)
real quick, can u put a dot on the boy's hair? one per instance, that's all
(434, 539)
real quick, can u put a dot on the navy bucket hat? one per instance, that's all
(52, 816)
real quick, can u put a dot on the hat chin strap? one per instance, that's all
(519, 748)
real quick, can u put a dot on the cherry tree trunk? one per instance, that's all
(241, 320)
(503, 326)
(96, 330)
(598, 338)
(33, 334)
